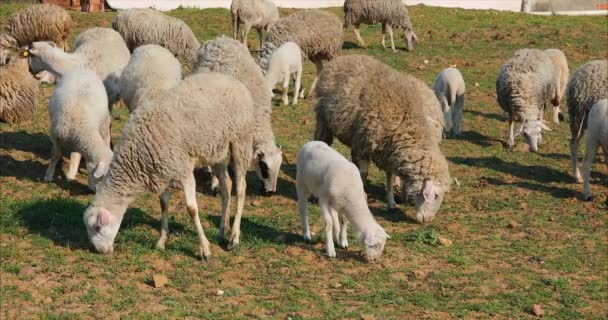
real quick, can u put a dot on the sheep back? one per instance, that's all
(260, 13)
(18, 91)
(588, 84)
(40, 22)
(561, 67)
(391, 12)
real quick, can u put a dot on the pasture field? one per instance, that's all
(520, 233)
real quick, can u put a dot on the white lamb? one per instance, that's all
(80, 124)
(325, 173)
(449, 88)
(286, 60)
(597, 135)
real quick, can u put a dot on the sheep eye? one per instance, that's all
(264, 169)
(97, 228)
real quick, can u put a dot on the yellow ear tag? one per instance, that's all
(26, 53)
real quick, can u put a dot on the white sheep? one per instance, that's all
(80, 124)
(449, 88)
(597, 135)
(286, 60)
(326, 174)
(39, 22)
(18, 91)
(563, 73)
(259, 14)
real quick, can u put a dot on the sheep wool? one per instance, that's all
(259, 14)
(563, 74)
(18, 91)
(39, 22)
(597, 136)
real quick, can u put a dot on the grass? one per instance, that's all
(556, 257)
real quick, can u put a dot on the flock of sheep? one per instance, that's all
(219, 116)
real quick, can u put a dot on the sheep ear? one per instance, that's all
(428, 192)
(52, 44)
(544, 126)
(370, 240)
(101, 170)
(103, 217)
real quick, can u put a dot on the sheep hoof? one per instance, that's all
(232, 245)
(588, 198)
(205, 257)
(48, 179)
(560, 117)
(579, 179)
(331, 254)
(215, 192)
(160, 245)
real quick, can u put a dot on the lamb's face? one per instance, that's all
(532, 133)
(268, 166)
(428, 201)
(374, 244)
(410, 39)
(102, 227)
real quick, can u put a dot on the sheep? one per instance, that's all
(148, 26)
(449, 88)
(318, 33)
(80, 124)
(596, 136)
(526, 84)
(39, 22)
(259, 14)
(18, 91)
(229, 56)
(326, 174)
(151, 70)
(160, 145)
(99, 49)
(391, 13)
(284, 61)
(588, 85)
(563, 73)
(385, 116)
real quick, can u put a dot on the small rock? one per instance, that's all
(27, 271)
(220, 292)
(477, 84)
(426, 61)
(419, 274)
(159, 280)
(445, 242)
(514, 225)
(48, 300)
(421, 67)
(256, 203)
(367, 317)
(336, 285)
(538, 311)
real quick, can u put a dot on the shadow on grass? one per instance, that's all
(351, 45)
(537, 173)
(492, 116)
(36, 143)
(477, 138)
(556, 192)
(255, 229)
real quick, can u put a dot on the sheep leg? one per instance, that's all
(335, 223)
(303, 196)
(511, 141)
(327, 219)
(240, 171)
(319, 65)
(225, 186)
(383, 35)
(362, 43)
(343, 233)
(556, 112)
(390, 34)
(74, 164)
(235, 25)
(573, 156)
(390, 197)
(297, 87)
(189, 185)
(362, 164)
(457, 116)
(55, 157)
(591, 146)
(215, 183)
(245, 32)
(164, 220)
(260, 36)
(286, 87)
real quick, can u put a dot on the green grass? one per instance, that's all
(556, 257)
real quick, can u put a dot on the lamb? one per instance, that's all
(148, 26)
(160, 145)
(385, 116)
(449, 88)
(284, 61)
(259, 14)
(228, 56)
(588, 85)
(391, 13)
(526, 84)
(80, 124)
(318, 33)
(563, 73)
(18, 91)
(99, 49)
(39, 22)
(323, 172)
(151, 70)
(597, 136)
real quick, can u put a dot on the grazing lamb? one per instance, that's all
(259, 14)
(588, 85)
(391, 13)
(148, 26)
(318, 33)
(99, 49)
(160, 145)
(563, 73)
(151, 70)
(384, 116)
(326, 174)
(228, 56)
(18, 91)
(284, 61)
(80, 124)
(596, 136)
(449, 88)
(39, 22)
(526, 84)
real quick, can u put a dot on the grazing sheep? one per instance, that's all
(39, 22)
(384, 116)
(588, 85)
(99, 49)
(318, 33)
(160, 145)
(151, 70)
(526, 84)
(148, 26)
(391, 13)
(284, 61)
(259, 14)
(449, 88)
(80, 124)
(228, 56)
(563, 73)
(326, 174)
(596, 136)
(18, 91)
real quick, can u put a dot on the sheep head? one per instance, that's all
(428, 201)
(268, 166)
(102, 227)
(531, 130)
(374, 241)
